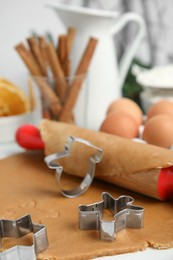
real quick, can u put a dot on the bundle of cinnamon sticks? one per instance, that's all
(46, 61)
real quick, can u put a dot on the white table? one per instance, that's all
(7, 149)
(148, 254)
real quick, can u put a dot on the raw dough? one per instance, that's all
(28, 186)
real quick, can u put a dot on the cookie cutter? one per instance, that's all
(125, 215)
(51, 161)
(19, 228)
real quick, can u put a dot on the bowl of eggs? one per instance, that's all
(125, 118)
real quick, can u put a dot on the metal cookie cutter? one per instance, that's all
(86, 182)
(125, 216)
(19, 228)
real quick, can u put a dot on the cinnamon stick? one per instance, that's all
(63, 53)
(28, 59)
(34, 46)
(76, 84)
(62, 48)
(42, 45)
(65, 44)
(45, 89)
(56, 70)
(67, 68)
(70, 42)
(71, 37)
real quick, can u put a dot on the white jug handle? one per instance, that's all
(129, 53)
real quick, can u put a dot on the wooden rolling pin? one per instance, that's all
(143, 168)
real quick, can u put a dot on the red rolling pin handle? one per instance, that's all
(28, 137)
(165, 183)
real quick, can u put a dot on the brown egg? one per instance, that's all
(127, 105)
(159, 131)
(120, 123)
(163, 106)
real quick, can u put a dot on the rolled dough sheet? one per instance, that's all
(27, 186)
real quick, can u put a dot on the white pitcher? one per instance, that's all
(106, 77)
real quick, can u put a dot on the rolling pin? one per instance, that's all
(143, 168)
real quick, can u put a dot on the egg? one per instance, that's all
(127, 105)
(120, 123)
(159, 131)
(163, 106)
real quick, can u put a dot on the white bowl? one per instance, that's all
(157, 84)
(10, 124)
(159, 77)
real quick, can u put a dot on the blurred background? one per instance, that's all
(21, 18)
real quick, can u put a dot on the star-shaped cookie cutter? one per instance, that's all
(51, 161)
(19, 228)
(125, 215)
